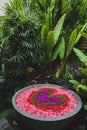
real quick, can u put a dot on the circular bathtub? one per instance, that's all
(46, 106)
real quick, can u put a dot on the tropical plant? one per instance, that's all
(44, 4)
(49, 41)
(75, 13)
(79, 87)
(20, 38)
(82, 57)
(73, 40)
(59, 48)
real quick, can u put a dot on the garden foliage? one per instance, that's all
(37, 38)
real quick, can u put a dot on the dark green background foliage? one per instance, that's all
(20, 39)
(21, 51)
(75, 11)
(19, 44)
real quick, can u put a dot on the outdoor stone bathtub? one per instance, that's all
(46, 106)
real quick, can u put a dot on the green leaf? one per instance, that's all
(52, 4)
(74, 82)
(25, 44)
(82, 89)
(62, 48)
(57, 75)
(72, 40)
(17, 58)
(50, 41)
(58, 28)
(82, 57)
(79, 35)
(43, 34)
(55, 53)
(30, 70)
(84, 34)
(48, 19)
(59, 50)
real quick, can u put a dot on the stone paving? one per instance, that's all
(9, 123)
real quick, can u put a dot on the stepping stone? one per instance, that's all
(4, 125)
(9, 123)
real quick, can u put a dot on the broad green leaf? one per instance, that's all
(82, 87)
(82, 57)
(43, 34)
(59, 50)
(79, 35)
(48, 19)
(50, 41)
(58, 28)
(72, 40)
(84, 34)
(74, 82)
(52, 4)
(62, 48)
(55, 53)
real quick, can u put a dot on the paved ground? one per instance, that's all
(9, 123)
